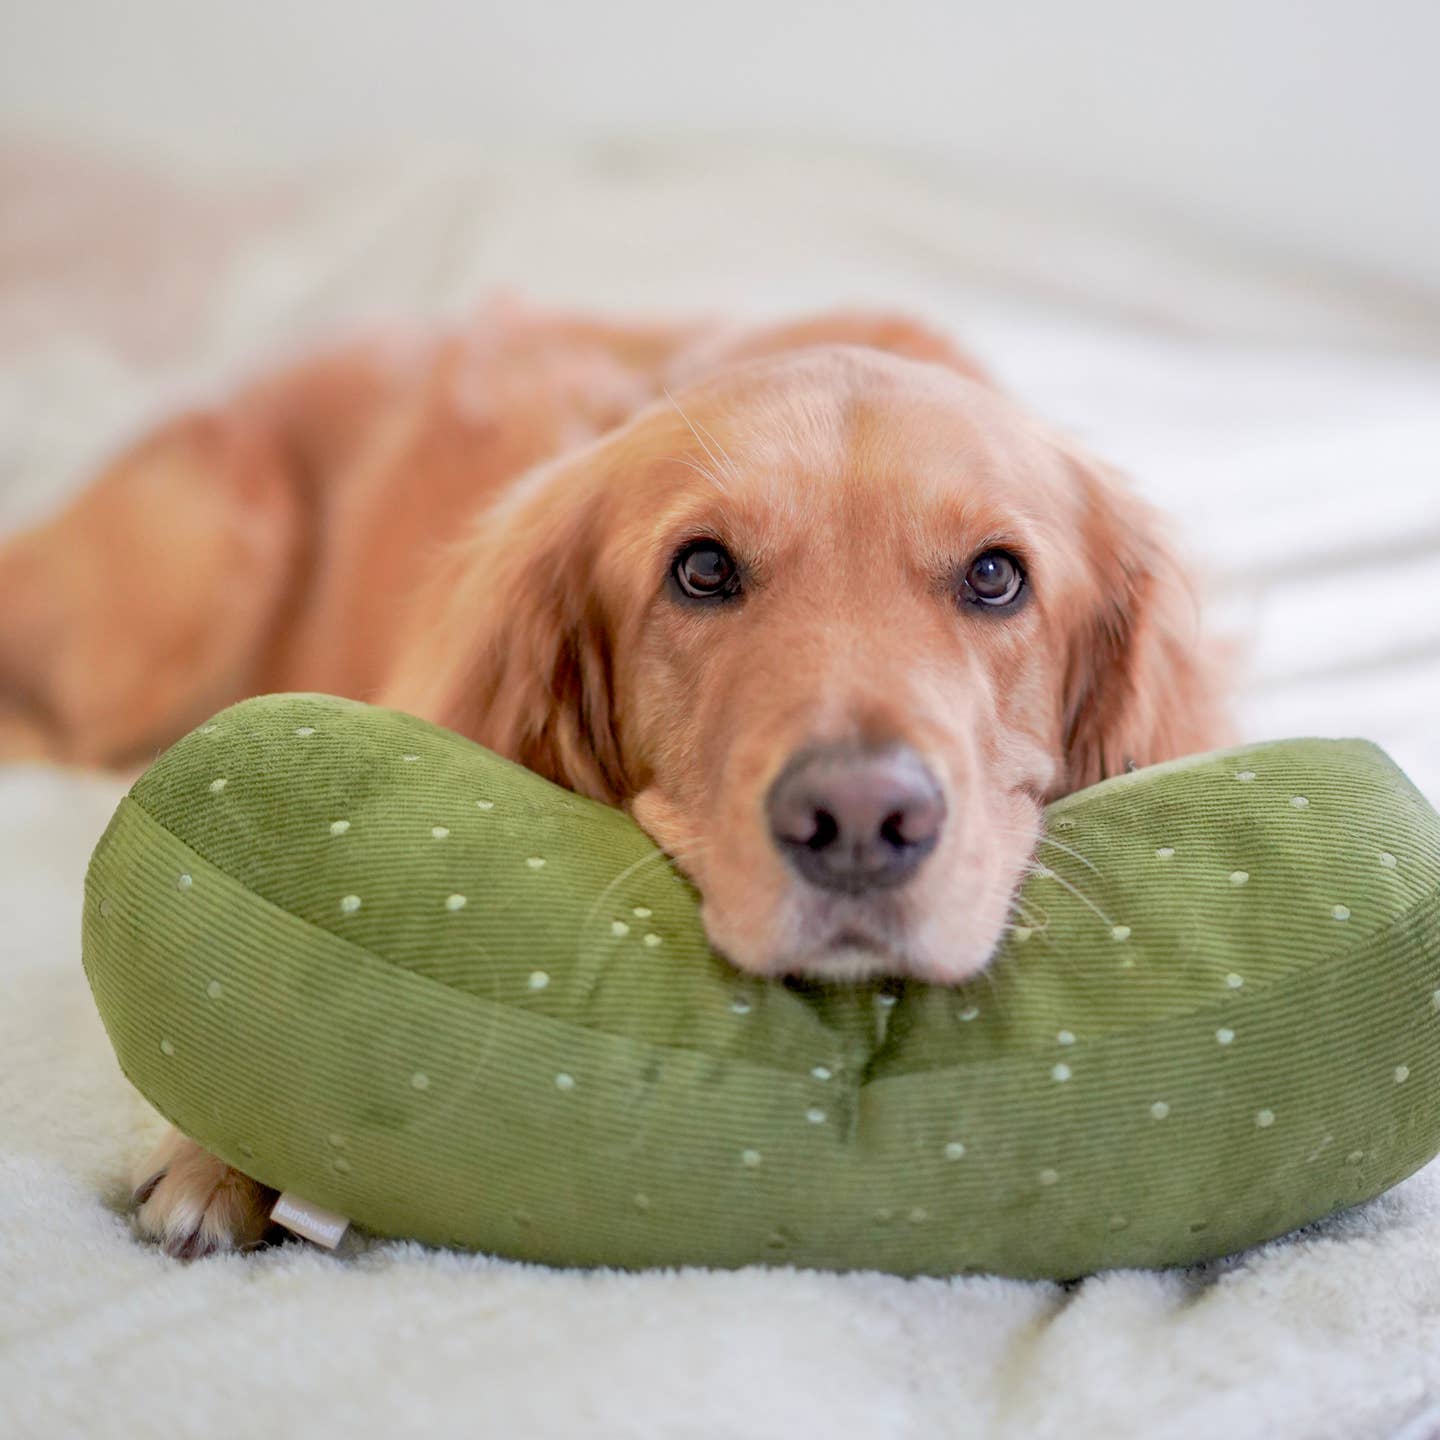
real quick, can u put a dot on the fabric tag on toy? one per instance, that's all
(310, 1222)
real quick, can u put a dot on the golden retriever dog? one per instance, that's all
(831, 616)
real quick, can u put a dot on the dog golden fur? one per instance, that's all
(828, 613)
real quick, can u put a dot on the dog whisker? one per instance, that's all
(1046, 873)
(710, 454)
(1026, 914)
(997, 995)
(1043, 837)
(700, 470)
(659, 857)
(731, 468)
(1046, 839)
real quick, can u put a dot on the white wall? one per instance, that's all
(1308, 129)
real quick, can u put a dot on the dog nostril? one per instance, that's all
(852, 819)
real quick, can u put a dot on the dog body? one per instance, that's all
(831, 616)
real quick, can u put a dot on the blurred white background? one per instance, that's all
(1306, 128)
(1299, 134)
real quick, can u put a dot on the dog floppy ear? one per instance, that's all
(510, 643)
(1142, 684)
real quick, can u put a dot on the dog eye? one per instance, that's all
(994, 579)
(705, 570)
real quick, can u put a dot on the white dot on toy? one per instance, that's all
(538, 980)
(1402, 1074)
(349, 904)
(217, 784)
(536, 862)
(1060, 1072)
(484, 804)
(815, 1115)
(652, 940)
(564, 1081)
(820, 1072)
(214, 990)
(1048, 1177)
(1388, 860)
(619, 929)
(1245, 776)
(1224, 1035)
(440, 832)
(1341, 912)
(955, 1150)
(642, 912)
(420, 1080)
(455, 902)
(167, 1046)
(970, 1012)
(1159, 1110)
(304, 731)
(750, 1158)
(1299, 802)
(339, 827)
(1120, 932)
(1239, 877)
(184, 882)
(1065, 1037)
(1264, 1119)
(1234, 981)
(1165, 852)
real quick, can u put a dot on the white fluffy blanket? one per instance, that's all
(1303, 461)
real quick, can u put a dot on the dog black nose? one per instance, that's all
(854, 819)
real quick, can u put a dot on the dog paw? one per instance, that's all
(193, 1204)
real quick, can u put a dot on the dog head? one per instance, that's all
(834, 626)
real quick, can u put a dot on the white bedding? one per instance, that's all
(1306, 478)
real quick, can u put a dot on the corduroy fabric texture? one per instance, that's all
(363, 959)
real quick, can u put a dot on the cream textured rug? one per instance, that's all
(1302, 457)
